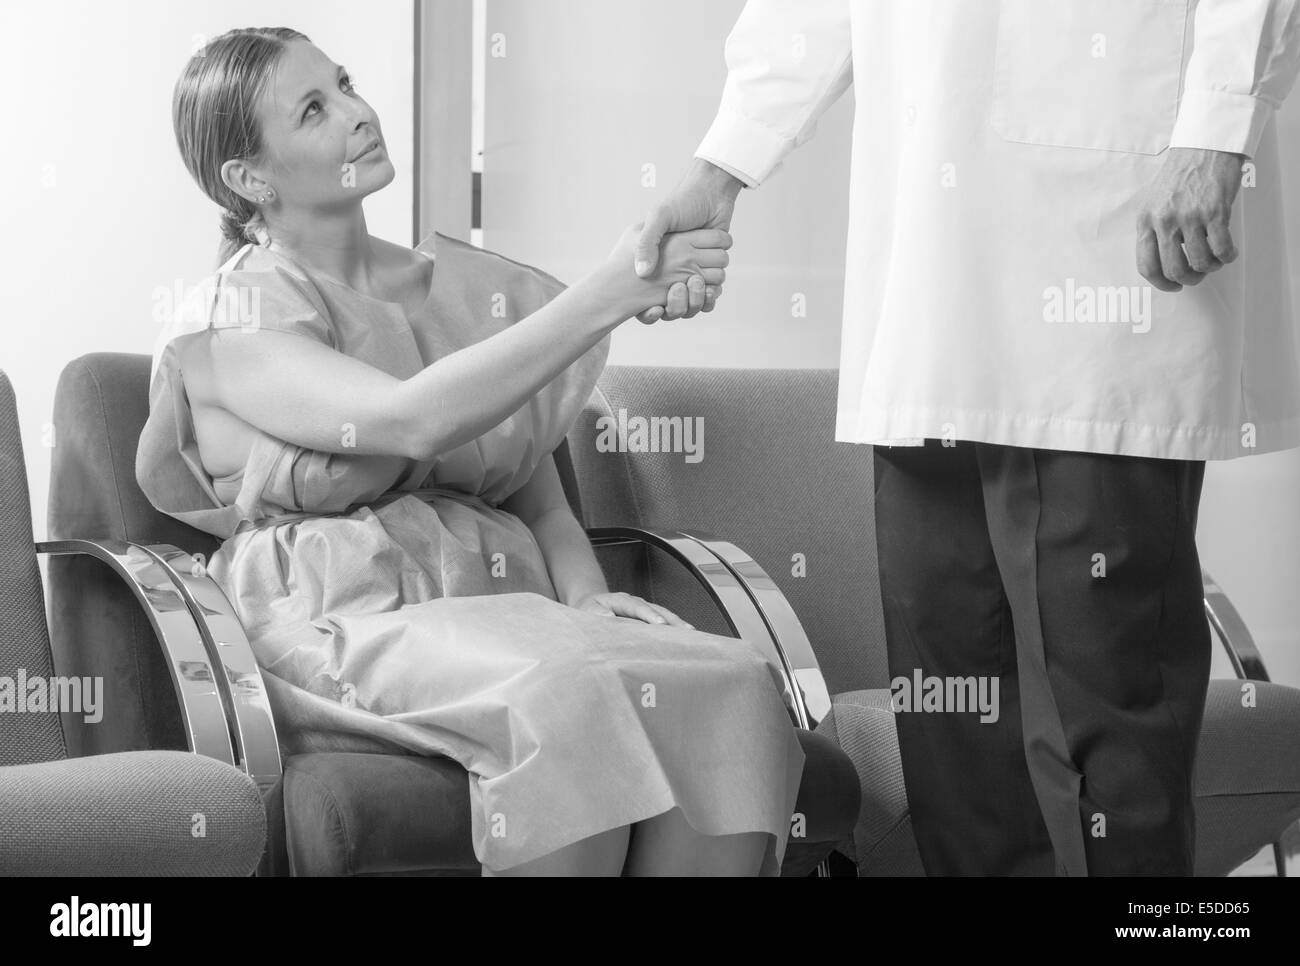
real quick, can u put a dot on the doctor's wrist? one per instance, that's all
(716, 178)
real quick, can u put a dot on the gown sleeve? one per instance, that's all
(168, 468)
(490, 293)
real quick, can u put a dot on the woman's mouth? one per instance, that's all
(368, 151)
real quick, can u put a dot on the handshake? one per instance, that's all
(672, 265)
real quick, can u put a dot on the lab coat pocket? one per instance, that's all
(1099, 74)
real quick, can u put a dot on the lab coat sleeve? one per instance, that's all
(787, 62)
(1244, 60)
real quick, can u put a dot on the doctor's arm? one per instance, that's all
(1244, 61)
(787, 62)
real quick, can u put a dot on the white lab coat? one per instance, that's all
(999, 151)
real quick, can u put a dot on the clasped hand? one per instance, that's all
(687, 275)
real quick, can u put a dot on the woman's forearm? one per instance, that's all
(463, 395)
(574, 569)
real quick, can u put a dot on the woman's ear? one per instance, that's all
(240, 178)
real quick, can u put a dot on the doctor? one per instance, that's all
(1047, 332)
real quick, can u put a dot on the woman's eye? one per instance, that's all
(345, 83)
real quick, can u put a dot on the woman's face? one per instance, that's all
(322, 147)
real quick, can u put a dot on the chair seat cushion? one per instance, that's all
(862, 724)
(349, 813)
(374, 814)
(1247, 771)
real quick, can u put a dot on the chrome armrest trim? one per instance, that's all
(814, 699)
(202, 711)
(1247, 662)
(723, 587)
(256, 744)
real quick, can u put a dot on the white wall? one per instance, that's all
(99, 208)
(588, 95)
(590, 91)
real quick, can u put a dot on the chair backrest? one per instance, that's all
(96, 626)
(772, 480)
(25, 736)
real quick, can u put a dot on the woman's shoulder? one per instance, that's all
(256, 289)
(486, 270)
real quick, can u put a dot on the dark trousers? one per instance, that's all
(1073, 580)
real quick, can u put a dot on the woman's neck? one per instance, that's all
(339, 248)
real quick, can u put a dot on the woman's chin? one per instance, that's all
(370, 178)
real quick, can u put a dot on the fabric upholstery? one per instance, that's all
(124, 814)
(96, 626)
(1247, 772)
(24, 636)
(166, 813)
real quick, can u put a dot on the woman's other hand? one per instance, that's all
(628, 605)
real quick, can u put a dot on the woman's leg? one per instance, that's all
(667, 845)
(602, 854)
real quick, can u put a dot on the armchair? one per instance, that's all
(146, 812)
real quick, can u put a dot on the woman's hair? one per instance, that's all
(215, 117)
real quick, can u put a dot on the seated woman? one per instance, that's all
(368, 429)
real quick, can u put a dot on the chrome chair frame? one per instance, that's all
(203, 711)
(753, 607)
(750, 602)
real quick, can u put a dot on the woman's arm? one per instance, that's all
(579, 582)
(306, 393)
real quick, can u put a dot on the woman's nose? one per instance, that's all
(360, 114)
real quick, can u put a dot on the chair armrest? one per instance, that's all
(791, 640)
(257, 747)
(202, 712)
(750, 603)
(130, 813)
(1247, 662)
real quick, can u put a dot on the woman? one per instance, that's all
(368, 429)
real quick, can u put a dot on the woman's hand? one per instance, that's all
(628, 605)
(700, 254)
(705, 198)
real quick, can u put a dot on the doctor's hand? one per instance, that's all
(1182, 225)
(683, 256)
(705, 198)
(628, 605)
